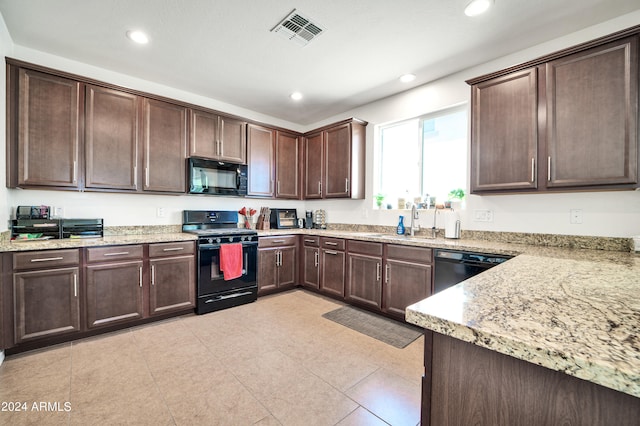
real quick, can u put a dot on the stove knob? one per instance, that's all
(218, 240)
(243, 238)
(230, 239)
(210, 240)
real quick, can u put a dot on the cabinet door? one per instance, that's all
(114, 293)
(47, 303)
(173, 284)
(337, 154)
(311, 265)
(267, 269)
(287, 174)
(364, 284)
(260, 158)
(592, 116)
(233, 140)
(48, 135)
(405, 283)
(111, 139)
(165, 146)
(287, 267)
(504, 132)
(203, 136)
(333, 272)
(313, 165)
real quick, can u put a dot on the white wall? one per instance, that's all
(614, 214)
(6, 49)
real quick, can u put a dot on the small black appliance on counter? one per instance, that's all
(33, 212)
(284, 219)
(57, 228)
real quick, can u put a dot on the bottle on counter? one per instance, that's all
(400, 230)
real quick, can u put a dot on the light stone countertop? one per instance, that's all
(12, 246)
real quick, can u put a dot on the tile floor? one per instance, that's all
(272, 362)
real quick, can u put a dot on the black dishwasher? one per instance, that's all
(452, 267)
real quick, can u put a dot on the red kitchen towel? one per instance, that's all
(231, 260)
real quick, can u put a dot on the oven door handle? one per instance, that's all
(217, 246)
(228, 296)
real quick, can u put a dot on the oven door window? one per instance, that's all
(211, 278)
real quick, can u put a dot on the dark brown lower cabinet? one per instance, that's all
(277, 263)
(47, 303)
(114, 293)
(465, 384)
(51, 296)
(332, 261)
(311, 262)
(407, 277)
(172, 285)
(364, 273)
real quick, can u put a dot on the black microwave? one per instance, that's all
(216, 177)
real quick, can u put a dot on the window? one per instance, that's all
(423, 156)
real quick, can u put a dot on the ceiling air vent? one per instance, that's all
(298, 28)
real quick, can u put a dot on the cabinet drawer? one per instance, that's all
(332, 243)
(106, 254)
(279, 241)
(364, 247)
(413, 254)
(46, 259)
(309, 241)
(171, 249)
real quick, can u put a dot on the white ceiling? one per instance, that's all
(225, 50)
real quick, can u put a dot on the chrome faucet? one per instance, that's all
(414, 217)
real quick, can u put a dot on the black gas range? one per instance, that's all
(215, 229)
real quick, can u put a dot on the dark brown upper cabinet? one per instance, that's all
(260, 160)
(592, 116)
(111, 139)
(287, 165)
(505, 132)
(217, 137)
(43, 130)
(335, 161)
(567, 121)
(165, 146)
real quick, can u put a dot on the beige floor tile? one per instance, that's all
(390, 397)
(361, 417)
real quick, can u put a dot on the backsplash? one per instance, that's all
(546, 240)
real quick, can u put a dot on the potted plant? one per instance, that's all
(455, 196)
(379, 199)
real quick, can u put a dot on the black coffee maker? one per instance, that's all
(308, 219)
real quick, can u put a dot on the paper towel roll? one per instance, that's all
(452, 224)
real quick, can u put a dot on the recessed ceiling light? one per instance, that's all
(138, 37)
(477, 7)
(407, 78)
(296, 96)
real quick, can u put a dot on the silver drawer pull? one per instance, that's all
(120, 253)
(173, 249)
(279, 241)
(329, 243)
(47, 259)
(331, 252)
(309, 241)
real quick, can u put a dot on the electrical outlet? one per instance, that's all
(575, 216)
(483, 215)
(57, 212)
(160, 212)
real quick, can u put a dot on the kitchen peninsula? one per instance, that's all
(545, 338)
